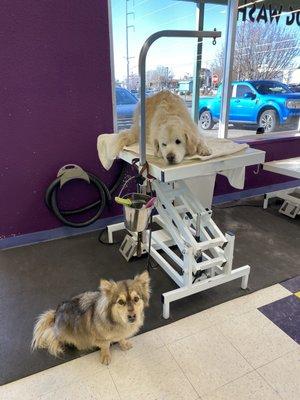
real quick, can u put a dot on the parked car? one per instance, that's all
(136, 93)
(294, 87)
(263, 103)
(126, 103)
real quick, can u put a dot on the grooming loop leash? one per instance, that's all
(145, 175)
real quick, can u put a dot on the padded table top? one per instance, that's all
(192, 168)
(289, 167)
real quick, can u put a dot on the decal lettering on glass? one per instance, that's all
(268, 14)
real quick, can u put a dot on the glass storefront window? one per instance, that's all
(266, 70)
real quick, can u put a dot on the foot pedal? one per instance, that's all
(128, 247)
(289, 209)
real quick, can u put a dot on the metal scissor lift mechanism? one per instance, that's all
(206, 254)
(199, 256)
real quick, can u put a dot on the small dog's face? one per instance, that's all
(127, 299)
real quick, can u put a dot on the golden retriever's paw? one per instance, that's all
(125, 345)
(203, 150)
(105, 357)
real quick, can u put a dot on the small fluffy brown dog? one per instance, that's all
(169, 129)
(95, 319)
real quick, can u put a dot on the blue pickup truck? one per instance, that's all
(266, 104)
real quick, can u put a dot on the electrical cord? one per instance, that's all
(150, 264)
(104, 199)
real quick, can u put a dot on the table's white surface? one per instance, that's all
(191, 168)
(289, 167)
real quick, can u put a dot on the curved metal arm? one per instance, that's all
(142, 71)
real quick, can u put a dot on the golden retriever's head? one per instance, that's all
(126, 300)
(174, 141)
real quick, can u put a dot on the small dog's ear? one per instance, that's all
(143, 280)
(107, 286)
(191, 144)
(156, 149)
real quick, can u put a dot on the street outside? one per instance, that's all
(125, 123)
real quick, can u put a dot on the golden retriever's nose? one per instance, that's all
(171, 158)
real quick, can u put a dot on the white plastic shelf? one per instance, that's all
(289, 167)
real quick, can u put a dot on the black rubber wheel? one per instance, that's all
(206, 120)
(268, 120)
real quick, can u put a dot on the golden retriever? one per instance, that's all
(169, 129)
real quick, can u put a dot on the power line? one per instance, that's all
(141, 2)
(156, 11)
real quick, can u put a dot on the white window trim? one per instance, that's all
(112, 65)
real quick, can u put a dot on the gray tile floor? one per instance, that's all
(227, 352)
(36, 278)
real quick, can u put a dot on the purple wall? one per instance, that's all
(55, 98)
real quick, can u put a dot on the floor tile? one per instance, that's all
(146, 342)
(152, 376)
(209, 360)
(257, 338)
(266, 296)
(142, 345)
(16, 392)
(293, 284)
(285, 313)
(184, 327)
(249, 387)
(244, 304)
(32, 387)
(283, 375)
(96, 387)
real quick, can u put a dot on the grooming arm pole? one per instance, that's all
(232, 12)
(142, 71)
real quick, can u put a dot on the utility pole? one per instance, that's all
(197, 66)
(127, 42)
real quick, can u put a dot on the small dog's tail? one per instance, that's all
(44, 335)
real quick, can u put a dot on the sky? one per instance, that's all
(154, 15)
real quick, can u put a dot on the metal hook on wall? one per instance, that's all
(256, 172)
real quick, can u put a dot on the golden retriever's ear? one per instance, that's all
(156, 149)
(107, 287)
(191, 144)
(143, 282)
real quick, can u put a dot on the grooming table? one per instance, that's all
(199, 256)
(193, 168)
(189, 246)
(289, 167)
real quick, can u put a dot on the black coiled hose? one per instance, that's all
(104, 199)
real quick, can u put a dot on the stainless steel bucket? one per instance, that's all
(137, 216)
